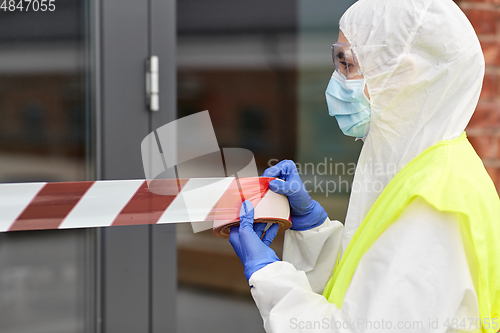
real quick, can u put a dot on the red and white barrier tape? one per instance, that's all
(37, 206)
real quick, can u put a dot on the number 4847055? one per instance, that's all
(26, 5)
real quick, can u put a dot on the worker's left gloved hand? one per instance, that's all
(253, 252)
(305, 212)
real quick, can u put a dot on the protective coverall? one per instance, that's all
(423, 67)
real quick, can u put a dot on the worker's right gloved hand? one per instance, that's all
(306, 213)
(253, 251)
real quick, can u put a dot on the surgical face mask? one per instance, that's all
(347, 101)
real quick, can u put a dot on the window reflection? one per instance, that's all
(42, 94)
(238, 60)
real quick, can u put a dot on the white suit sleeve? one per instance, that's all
(314, 251)
(414, 278)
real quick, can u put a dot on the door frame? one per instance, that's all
(135, 266)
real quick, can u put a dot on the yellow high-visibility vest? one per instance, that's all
(451, 178)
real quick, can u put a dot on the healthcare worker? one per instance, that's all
(420, 249)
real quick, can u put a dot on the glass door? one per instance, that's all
(73, 108)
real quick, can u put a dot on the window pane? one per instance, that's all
(261, 69)
(238, 60)
(44, 116)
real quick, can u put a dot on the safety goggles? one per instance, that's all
(344, 60)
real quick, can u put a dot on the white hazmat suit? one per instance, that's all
(424, 68)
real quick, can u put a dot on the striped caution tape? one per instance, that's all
(40, 206)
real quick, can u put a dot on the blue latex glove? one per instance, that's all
(306, 213)
(253, 252)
